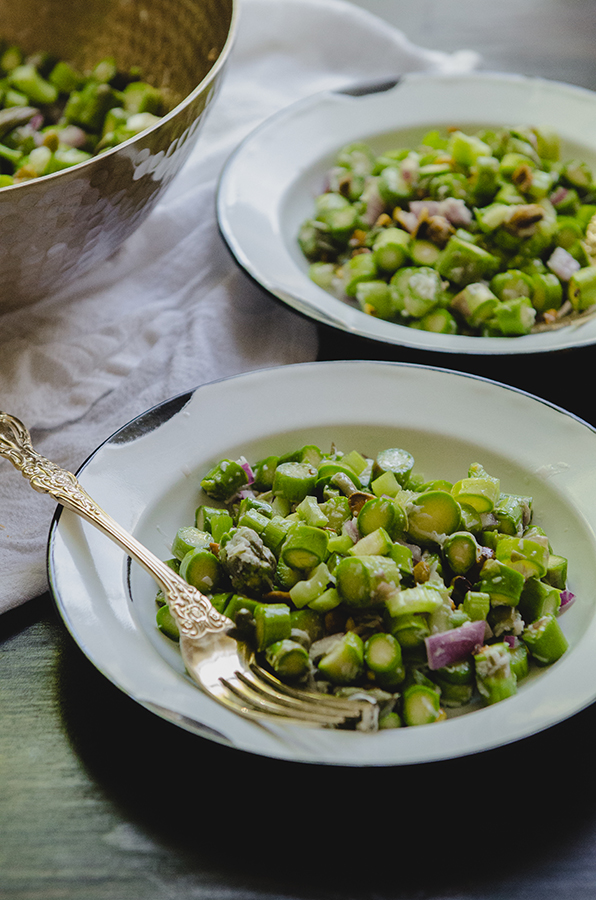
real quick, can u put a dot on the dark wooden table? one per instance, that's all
(101, 800)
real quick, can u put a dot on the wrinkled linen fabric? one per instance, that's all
(171, 309)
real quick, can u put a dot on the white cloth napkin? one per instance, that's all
(171, 310)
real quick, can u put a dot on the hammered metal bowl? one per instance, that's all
(54, 229)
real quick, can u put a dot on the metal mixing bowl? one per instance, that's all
(55, 228)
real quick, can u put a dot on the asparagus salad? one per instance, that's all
(53, 117)
(488, 233)
(351, 574)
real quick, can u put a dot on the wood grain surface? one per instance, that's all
(102, 800)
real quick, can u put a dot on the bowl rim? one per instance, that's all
(192, 95)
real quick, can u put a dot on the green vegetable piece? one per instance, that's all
(484, 179)
(358, 157)
(421, 705)
(395, 460)
(201, 569)
(187, 539)
(503, 584)
(581, 288)
(337, 509)
(250, 565)
(224, 480)
(308, 589)
(393, 188)
(386, 485)
(391, 249)
(239, 603)
(376, 299)
(519, 661)
(419, 599)
(326, 601)
(263, 473)
(494, 678)
(252, 518)
(337, 215)
(475, 303)
(344, 663)
(432, 515)
(515, 317)
(439, 321)
(309, 621)
(512, 513)
(310, 511)
(528, 555)
(388, 718)
(545, 640)
(305, 547)
(476, 605)
(556, 572)
(382, 512)
(294, 480)
(364, 581)
(167, 623)
(288, 659)
(358, 268)
(577, 174)
(376, 543)
(140, 97)
(424, 253)
(539, 599)
(65, 78)
(480, 492)
(89, 106)
(403, 557)
(466, 148)
(382, 655)
(462, 262)
(511, 284)
(28, 81)
(272, 623)
(461, 551)
(410, 630)
(416, 290)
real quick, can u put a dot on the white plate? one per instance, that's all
(268, 186)
(147, 476)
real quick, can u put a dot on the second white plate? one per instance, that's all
(268, 186)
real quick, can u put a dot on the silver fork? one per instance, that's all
(223, 667)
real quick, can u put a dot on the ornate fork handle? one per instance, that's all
(194, 612)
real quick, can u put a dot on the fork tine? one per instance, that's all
(329, 702)
(247, 692)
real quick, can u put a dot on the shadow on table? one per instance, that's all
(475, 826)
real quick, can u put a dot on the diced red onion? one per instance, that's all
(558, 195)
(374, 205)
(567, 599)
(562, 263)
(246, 466)
(455, 210)
(418, 207)
(73, 136)
(449, 647)
(242, 495)
(416, 550)
(351, 528)
(511, 640)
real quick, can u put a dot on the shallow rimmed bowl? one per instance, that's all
(269, 184)
(147, 476)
